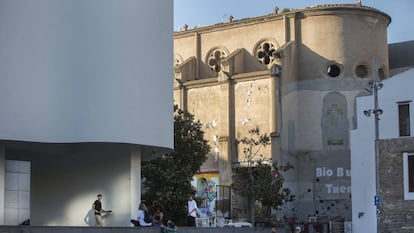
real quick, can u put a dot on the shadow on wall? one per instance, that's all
(90, 218)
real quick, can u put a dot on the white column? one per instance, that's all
(135, 181)
(2, 182)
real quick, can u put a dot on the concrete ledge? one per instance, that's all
(52, 229)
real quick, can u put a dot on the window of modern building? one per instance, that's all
(17, 192)
(404, 118)
(408, 164)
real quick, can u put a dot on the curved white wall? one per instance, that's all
(86, 71)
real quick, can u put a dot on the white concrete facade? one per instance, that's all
(396, 89)
(84, 96)
(71, 61)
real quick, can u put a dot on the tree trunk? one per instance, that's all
(252, 204)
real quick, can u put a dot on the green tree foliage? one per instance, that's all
(259, 180)
(167, 180)
(270, 184)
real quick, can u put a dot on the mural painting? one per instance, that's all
(205, 184)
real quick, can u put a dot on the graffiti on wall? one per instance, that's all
(205, 184)
(334, 182)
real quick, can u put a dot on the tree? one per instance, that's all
(259, 180)
(167, 180)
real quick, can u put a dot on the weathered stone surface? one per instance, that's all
(396, 213)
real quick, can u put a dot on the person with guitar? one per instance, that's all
(97, 208)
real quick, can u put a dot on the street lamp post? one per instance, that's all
(373, 87)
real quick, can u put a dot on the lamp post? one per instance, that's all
(373, 87)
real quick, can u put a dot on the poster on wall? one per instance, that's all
(205, 185)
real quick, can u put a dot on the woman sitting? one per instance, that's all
(140, 221)
(157, 217)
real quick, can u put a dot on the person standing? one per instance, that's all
(191, 211)
(97, 208)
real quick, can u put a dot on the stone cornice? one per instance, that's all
(309, 11)
(237, 77)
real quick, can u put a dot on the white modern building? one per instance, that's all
(396, 158)
(84, 97)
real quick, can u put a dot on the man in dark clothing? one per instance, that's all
(97, 207)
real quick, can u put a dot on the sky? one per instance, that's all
(208, 12)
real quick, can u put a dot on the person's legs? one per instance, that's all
(191, 221)
(135, 222)
(98, 219)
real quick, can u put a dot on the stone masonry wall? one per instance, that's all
(397, 214)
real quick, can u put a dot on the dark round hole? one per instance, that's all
(361, 71)
(333, 70)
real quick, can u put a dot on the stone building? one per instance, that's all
(295, 75)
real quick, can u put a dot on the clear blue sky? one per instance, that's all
(208, 12)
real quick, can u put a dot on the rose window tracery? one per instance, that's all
(264, 52)
(215, 59)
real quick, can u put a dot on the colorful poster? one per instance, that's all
(205, 184)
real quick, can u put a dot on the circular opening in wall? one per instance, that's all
(264, 52)
(333, 70)
(361, 71)
(381, 73)
(215, 59)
